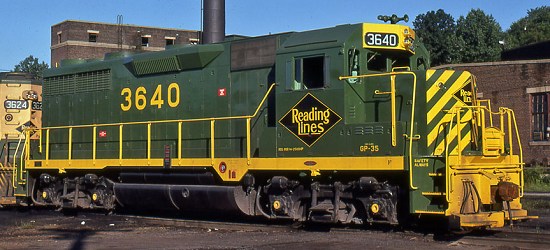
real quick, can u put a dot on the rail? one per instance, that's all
(410, 137)
(506, 126)
(149, 125)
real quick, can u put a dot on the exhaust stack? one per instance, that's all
(214, 21)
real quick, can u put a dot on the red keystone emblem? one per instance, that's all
(102, 133)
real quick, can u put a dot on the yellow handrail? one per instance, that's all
(521, 178)
(447, 165)
(149, 125)
(15, 172)
(481, 110)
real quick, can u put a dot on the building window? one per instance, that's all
(193, 41)
(59, 36)
(145, 41)
(170, 40)
(92, 36)
(539, 116)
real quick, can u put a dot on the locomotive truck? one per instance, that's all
(346, 124)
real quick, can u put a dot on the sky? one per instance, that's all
(25, 25)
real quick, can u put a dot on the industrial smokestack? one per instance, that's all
(214, 21)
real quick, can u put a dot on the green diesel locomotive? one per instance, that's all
(344, 125)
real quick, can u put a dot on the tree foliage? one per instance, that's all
(481, 35)
(474, 38)
(533, 28)
(437, 31)
(31, 65)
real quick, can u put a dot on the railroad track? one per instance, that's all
(517, 238)
(262, 226)
(486, 238)
(521, 240)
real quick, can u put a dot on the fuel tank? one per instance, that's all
(186, 198)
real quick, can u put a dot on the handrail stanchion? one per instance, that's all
(47, 146)
(248, 141)
(149, 143)
(70, 153)
(458, 137)
(447, 165)
(510, 132)
(40, 141)
(120, 143)
(94, 144)
(520, 148)
(212, 150)
(501, 117)
(179, 141)
(21, 159)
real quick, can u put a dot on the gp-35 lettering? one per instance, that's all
(139, 98)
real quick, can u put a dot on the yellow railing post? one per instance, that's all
(27, 144)
(510, 131)
(22, 166)
(212, 151)
(520, 148)
(501, 116)
(149, 143)
(490, 112)
(483, 124)
(70, 153)
(248, 141)
(393, 112)
(15, 172)
(40, 141)
(179, 141)
(120, 143)
(94, 144)
(47, 145)
(447, 165)
(458, 137)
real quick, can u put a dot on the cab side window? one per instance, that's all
(377, 62)
(309, 72)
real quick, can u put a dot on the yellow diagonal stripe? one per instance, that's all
(440, 148)
(429, 73)
(434, 88)
(2, 180)
(464, 142)
(432, 135)
(457, 85)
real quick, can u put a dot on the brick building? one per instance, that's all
(523, 86)
(85, 40)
